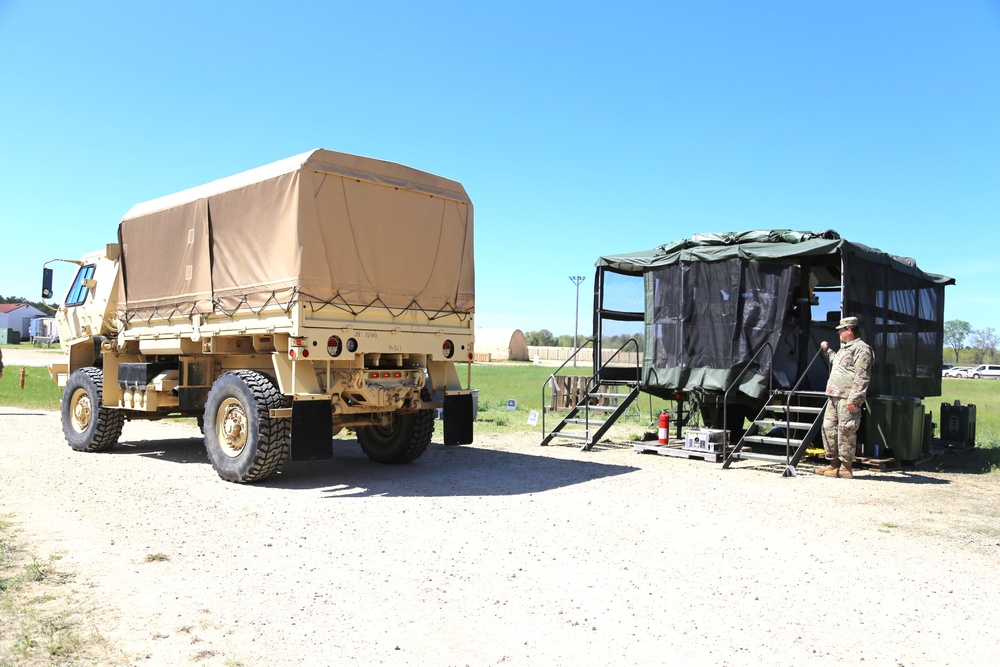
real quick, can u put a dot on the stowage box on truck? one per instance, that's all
(281, 305)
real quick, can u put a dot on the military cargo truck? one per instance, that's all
(279, 307)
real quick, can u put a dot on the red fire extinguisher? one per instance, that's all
(664, 427)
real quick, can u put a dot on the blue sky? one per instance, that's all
(579, 129)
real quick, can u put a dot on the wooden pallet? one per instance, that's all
(888, 464)
(676, 450)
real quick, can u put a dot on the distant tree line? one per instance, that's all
(974, 345)
(546, 338)
(44, 307)
(981, 344)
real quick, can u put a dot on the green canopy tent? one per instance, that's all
(715, 304)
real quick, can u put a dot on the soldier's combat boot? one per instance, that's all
(835, 469)
(833, 464)
(845, 470)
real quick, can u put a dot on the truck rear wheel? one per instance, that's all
(87, 424)
(244, 443)
(402, 440)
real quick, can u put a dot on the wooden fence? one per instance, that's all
(569, 390)
(586, 356)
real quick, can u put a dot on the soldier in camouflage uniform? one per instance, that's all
(850, 373)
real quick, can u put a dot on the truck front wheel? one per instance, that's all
(403, 439)
(87, 424)
(244, 443)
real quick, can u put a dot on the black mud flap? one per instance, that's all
(458, 419)
(312, 431)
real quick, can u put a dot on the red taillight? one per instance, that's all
(373, 376)
(448, 349)
(333, 346)
(298, 348)
(397, 375)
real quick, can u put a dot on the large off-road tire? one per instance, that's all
(404, 439)
(88, 425)
(244, 443)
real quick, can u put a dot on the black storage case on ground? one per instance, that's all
(958, 424)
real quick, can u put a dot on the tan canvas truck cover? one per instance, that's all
(321, 227)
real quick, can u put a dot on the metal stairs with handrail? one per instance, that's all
(588, 421)
(789, 420)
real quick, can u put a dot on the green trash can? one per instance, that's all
(878, 428)
(896, 425)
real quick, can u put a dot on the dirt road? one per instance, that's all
(31, 356)
(505, 553)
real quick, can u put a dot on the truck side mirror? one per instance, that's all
(46, 283)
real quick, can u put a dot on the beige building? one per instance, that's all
(502, 344)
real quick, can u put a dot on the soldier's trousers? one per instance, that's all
(840, 430)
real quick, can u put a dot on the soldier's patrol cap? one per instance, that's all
(848, 322)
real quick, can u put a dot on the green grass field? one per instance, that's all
(39, 392)
(499, 383)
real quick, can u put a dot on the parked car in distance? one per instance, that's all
(990, 371)
(957, 372)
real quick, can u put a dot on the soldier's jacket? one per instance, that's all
(850, 371)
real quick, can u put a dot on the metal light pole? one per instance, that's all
(576, 321)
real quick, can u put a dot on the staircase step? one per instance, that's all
(773, 458)
(813, 394)
(805, 409)
(781, 423)
(592, 422)
(766, 440)
(571, 436)
(604, 394)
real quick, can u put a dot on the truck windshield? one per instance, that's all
(78, 290)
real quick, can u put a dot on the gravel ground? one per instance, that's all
(504, 552)
(30, 356)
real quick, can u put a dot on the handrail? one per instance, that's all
(788, 408)
(805, 373)
(594, 380)
(570, 358)
(735, 382)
